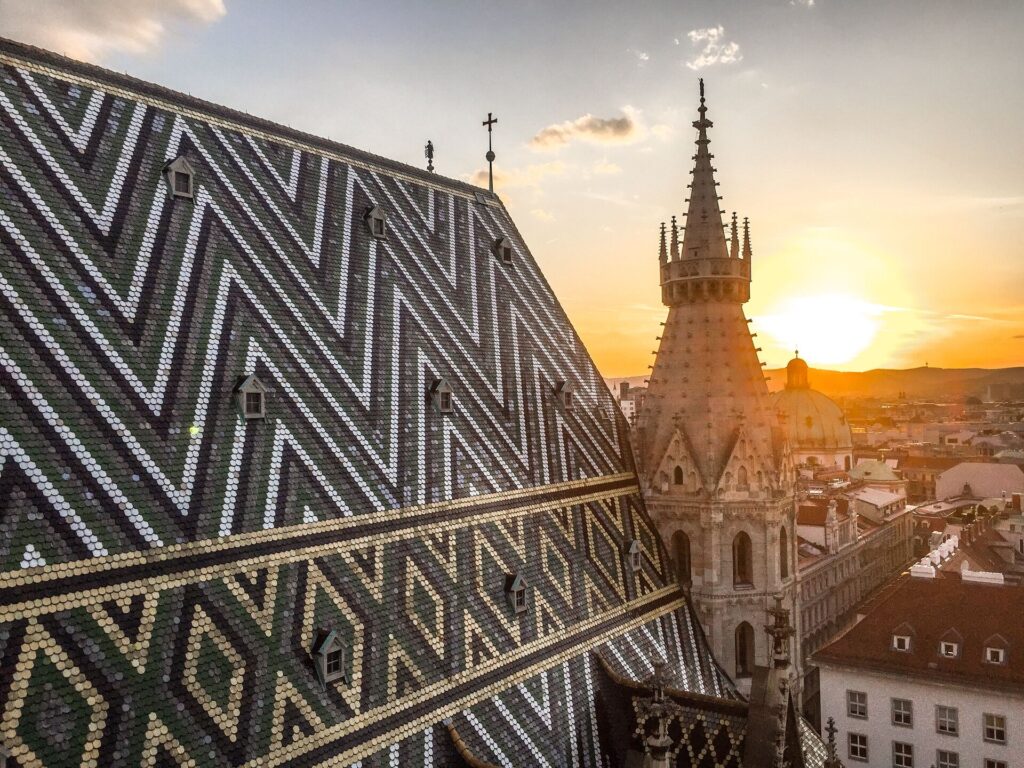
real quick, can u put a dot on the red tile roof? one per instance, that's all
(815, 512)
(980, 613)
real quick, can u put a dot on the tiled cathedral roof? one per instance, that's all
(167, 564)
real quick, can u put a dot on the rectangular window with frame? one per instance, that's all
(995, 728)
(947, 720)
(902, 755)
(182, 183)
(253, 403)
(990, 763)
(857, 746)
(949, 650)
(334, 662)
(857, 704)
(995, 655)
(901, 642)
(946, 759)
(903, 713)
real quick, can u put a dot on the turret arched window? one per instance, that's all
(783, 553)
(677, 475)
(742, 561)
(744, 650)
(681, 553)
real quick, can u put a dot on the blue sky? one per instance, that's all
(876, 146)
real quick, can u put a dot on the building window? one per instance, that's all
(990, 763)
(947, 720)
(783, 553)
(902, 755)
(901, 643)
(995, 729)
(634, 555)
(742, 561)
(857, 746)
(946, 759)
(903, 713)
(949, 649)
(376, 222)
(857, 704)
(564, 395)
(503, 250)
(250, 393)
(329, 657)
(515, 592)
(995, 655)
(180, 177)
(744, 650)
(441, 395)
(681, 548)
(677, 476)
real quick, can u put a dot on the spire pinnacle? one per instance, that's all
(704, 234)
(734, 245)
(675, 240)
(746, 237)
(662, 253)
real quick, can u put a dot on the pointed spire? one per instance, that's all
(704, 235)
(675, 239)
(746, 238)
(662, 253)
(734, 251)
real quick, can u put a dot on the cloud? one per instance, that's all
(714, 48)
(1019, 336)
(596, 130)
(531, 176)
(91, 29)
(540, 213)
(642, 57)
(804, 3)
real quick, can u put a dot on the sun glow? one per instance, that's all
(828, 329)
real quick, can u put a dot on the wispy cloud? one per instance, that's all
(529, 177)
(626, 129)
(713, 48)
(642, 57)
(540, 213)
(93, 28)
(804, 3)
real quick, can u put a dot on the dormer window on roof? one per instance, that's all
(949, 649)
(564, 395)
(251, 394)
(635, 554)
(180, 177)
(515, 591)
(329, 657)
(901, 643)
(441, 396)
(376, 222)
(995, 655)
(503, 250)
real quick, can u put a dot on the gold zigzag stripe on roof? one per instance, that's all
(407, 523)
(642, 611)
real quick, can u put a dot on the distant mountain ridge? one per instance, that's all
(940, 384)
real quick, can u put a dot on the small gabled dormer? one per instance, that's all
(634, 555)
(441, 396)
(180, 177)
(515, 592)
(329, 657)
(377, 222)
(564, 395)
(950, 644)
(502, 248)
(997, 650)
(251, 397)
(903, 638)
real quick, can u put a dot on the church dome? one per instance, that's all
(813, 422)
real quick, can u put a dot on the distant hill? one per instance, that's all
(940, 384)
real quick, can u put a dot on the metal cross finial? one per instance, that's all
(491, 120)
(428, 152)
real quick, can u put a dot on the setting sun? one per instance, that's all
(828, 329)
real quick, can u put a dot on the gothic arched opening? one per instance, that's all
(677, 475)
(681, 553)
(744, 650)
(742, 560)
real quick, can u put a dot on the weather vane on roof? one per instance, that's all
(490, 151)
(428, 152)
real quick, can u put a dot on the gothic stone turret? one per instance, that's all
(715, 463)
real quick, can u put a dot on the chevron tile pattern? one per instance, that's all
(167, 564)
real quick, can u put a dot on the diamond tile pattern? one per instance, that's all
(166, 564)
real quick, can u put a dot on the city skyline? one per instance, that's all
(873, 148)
